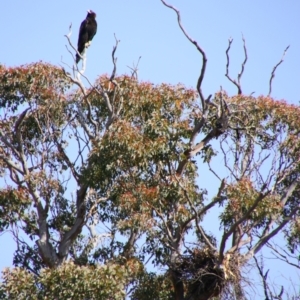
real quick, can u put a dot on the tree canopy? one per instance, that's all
(103, 181)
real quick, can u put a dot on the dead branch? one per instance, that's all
(134, 70)
(245, 60)
(81, 55)
(240, 74)
(282, 256)
(212, 170)
(114, 59)
(76, 80)
(204, 58)
(263, 277)
(274, 69)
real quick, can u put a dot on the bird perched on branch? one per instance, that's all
(87, 31)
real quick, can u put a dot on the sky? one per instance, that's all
(34, 31)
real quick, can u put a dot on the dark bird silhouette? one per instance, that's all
(87, 31)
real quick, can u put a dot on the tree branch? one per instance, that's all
(81, 55)
(114, 59)
(274, 70)
(66, 159)
(216, 200)
(263, 240)
(77, 226)
(283, 257)
(238, 82)
(197, 221)
(214, 133)
(263, 277)
(204, 59)
(11, 164)
(227, 234)
(244, 62)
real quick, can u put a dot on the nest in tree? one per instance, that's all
(202, 275)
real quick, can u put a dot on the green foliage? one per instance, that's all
(151, 286)
(68, 282)
(37, 82)
(13, 204)
(125, 148)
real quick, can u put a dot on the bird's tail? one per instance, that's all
(77, 58)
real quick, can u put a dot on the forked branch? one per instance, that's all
(81, 55)
(237, 82)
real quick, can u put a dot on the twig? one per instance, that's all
(282, 257)
(263, 277)
(134, 70)
(244, 62)
(114, 59)
(204, 58)
(274, 69)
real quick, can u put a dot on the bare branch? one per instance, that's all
(263, 277)
(75, 81)
(244, 62)
(211, 170)
(274, 69)
(134, 70)
(217, 199)
(268, 236)
(239, 244)
(240, 74)
(81, 55)
(283, 257)
(78, 224)
(204, 58)
(114, 59)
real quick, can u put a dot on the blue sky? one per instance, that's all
(34, 31)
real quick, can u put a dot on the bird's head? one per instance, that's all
(91, 14)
